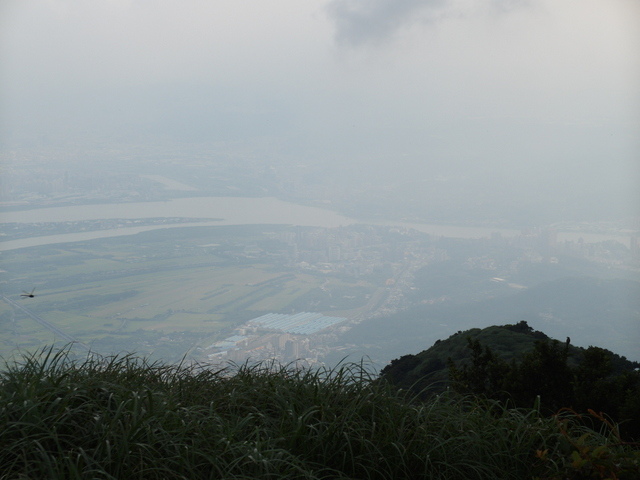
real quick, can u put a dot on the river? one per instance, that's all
(227, 211)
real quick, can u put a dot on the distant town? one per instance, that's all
(359, 272)
(362, 251)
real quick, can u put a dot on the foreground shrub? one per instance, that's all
(590, 455)
(125, 418)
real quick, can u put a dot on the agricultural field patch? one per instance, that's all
(178, 285)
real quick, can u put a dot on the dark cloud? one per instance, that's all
(361, 22)
(372, 21)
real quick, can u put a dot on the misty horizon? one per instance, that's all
(534, 103)
(325, 157)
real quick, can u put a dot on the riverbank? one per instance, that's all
(234, 211)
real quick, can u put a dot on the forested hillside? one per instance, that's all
(523, 367)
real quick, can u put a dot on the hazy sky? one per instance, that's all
(528, 88)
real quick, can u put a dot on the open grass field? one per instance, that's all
(127, 292)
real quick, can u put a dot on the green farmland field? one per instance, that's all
(161, 291)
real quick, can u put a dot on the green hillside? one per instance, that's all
(517, 364)
(430, 367)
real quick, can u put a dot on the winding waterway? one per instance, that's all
(226, 211)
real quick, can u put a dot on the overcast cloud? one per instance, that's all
(376, 21)
(512, 92)
(362, 21)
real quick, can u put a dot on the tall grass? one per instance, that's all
(124, 417)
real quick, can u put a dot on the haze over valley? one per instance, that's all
(311, 181)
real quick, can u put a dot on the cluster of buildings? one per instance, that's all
(545, 245)
(284, 337)
(354, 251)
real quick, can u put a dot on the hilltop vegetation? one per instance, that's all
(123, 417)
(522, 366)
